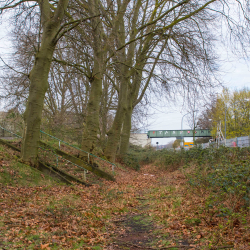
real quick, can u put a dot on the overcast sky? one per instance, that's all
(235, 74)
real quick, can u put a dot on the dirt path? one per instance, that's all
(138, 229)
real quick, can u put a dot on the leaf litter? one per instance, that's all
(147, 209)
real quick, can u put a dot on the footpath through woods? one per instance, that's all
(149, 209)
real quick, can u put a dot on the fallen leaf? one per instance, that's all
(45, 246)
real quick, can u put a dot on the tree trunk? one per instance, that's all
(103, 114)
(132, 98)
(115, 131)
(126, 131)
(39, 78)
(93, 108)
(33, 113)
(92, 118)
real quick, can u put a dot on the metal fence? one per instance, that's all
(240, 142)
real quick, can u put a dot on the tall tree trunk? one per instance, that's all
(33, 113)
(104, 109)
(115, 131)
(134, 97)
(92, 118)
(126, 131)
(92, 126)
(131, 102)
(39, 78)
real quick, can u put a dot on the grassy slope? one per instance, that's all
(15, 173)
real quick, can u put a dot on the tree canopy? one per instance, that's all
(232, 107)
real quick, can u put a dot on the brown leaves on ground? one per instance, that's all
(78, 217)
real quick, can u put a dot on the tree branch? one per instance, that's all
(13, 68)
(150, 75)
(163, 15)
(60, 10)
(113, 83)
(45, 10)
(9, 6)
(75, 24)
(161, 30)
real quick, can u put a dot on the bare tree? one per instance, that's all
(53, 26)
(125, 51)
(183, 61)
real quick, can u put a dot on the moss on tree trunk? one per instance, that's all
(115, 131)
(51, 23)
(33, 113)
(126, 132)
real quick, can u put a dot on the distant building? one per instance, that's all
(140, 139)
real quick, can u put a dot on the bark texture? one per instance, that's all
(51, 23)
(92, 126)
(115, 131)
(126, 132)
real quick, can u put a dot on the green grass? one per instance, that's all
(23, 175)
(15, 173)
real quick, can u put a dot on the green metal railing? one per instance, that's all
(11, 132)
(47, 150)
(88, 154)
(61, 141)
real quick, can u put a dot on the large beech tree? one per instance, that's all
(53, 27)
(162, 29)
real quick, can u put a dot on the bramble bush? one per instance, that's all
(225, 171)
(221, 177)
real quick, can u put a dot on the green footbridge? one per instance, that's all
(179, 133)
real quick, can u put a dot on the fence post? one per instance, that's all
(85, 175)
